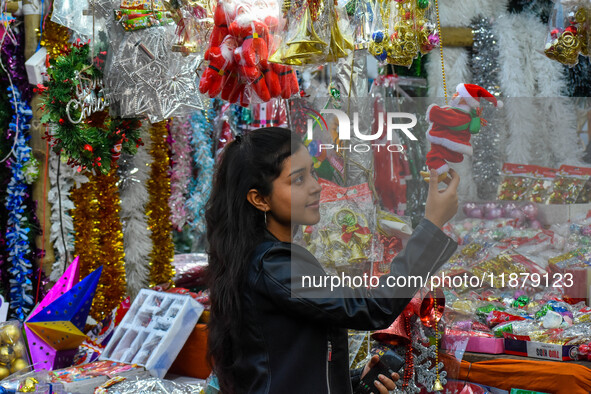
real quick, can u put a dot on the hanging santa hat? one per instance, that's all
(473, 93)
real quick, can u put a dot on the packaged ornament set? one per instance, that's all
(565, 185)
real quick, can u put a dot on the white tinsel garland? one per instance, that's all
(538, 118)
(135, 172)
(62, 226)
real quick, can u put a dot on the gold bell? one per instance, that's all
(357, 254)
(306, 33)
(298, 54)
(339, 44)
(364, 239)
(437, 386)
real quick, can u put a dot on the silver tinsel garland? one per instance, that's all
(487, 159)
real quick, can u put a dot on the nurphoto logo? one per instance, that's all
(400, 121)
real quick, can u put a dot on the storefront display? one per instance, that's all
(115, 116)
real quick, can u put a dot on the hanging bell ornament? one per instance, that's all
(431, 309)
(357, 254)
(339, 44)
(306, 32)
(437, 386)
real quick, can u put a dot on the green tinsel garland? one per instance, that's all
(96, 142)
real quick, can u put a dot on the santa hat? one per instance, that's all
(473, 93)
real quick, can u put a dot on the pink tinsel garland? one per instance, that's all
(181, 170)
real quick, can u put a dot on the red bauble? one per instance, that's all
(88, 147)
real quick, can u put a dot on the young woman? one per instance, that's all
(267, 333)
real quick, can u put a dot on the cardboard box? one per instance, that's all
(192, 360)
(519, 346)
(476, 344)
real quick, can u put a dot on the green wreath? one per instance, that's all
(89, 137)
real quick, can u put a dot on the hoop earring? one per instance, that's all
(265, 218)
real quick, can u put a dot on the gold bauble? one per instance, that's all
(6, 354)
(19, 350)
(10, 334)
(4, 372)
(18, 365)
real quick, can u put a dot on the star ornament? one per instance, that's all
(146, 77)
(55, 328)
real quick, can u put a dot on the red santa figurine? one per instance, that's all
(453, 125)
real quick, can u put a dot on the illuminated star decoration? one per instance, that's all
(55, 328)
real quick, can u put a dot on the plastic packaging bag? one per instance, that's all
(240, 44)
(517, 181)
(344, 238)
(403, 30)
(568, 184)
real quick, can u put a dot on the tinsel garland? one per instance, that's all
(55, 38)
(158, 210)
(203, 160)
(134, 172)
(181, 171)
(98, 140)
(18, 226)
(86, 234)
(13, 60)
(62, 179)
(111, 288)
(99, 239)
(487, 159)
(537, 109)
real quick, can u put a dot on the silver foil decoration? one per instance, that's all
(351, 80)
(487, 160)
(144, 77)
(154, 386)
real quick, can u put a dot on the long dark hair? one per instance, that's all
(234, 228)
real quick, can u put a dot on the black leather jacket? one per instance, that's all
(298, 342)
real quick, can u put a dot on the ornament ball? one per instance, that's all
(10, 334)
(468, 207)
(18, 365)
(19, 350)
(6, 354)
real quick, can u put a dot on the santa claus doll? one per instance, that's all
(453, 125)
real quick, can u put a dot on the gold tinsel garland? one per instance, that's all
(158, 210)
(55, 38)
(111, 288)
(99, 239)
(86, 233)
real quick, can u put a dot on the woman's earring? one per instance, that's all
(265, 218)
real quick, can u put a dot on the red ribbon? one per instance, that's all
(349, 231)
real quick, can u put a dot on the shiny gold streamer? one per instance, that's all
(99, 239)
(158, 210)
(55, 38)
(85, 218)
(112, 285)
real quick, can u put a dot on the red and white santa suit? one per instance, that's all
(453, 125)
